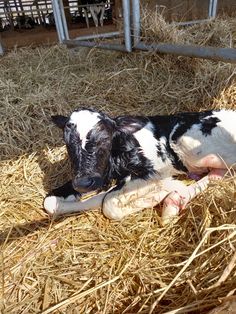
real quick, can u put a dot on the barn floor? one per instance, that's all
(43, 36)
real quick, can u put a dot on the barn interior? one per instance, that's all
(40, 28)
(86, 263)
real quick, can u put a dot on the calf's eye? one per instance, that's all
(69, 125)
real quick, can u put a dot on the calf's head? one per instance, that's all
(88, 137)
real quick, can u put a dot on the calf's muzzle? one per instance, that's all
(87, 184)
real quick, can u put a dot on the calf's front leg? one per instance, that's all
(134, 196)
(55, 205)
(116, 203)
(64, 200)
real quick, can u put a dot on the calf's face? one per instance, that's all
(88, 137)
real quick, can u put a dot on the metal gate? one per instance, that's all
(132, 38)
(131, 35)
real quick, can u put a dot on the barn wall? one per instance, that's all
(179, 10)
(184, 10)
(227, 7)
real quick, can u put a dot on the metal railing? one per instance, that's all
(132, 36)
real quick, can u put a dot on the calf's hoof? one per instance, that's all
(51, 204)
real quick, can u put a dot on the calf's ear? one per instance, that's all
(59, 121)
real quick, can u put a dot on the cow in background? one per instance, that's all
(24, 22)
(96, 8)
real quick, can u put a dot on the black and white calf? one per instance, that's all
(96, 8)
(141, 154)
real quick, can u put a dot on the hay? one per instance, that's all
(216, 33)
(86, 263)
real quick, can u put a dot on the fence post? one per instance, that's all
(127, 29)
(1, 48)
(60, 20)
(136, 23)
(212, 8)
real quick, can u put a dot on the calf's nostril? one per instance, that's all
(86, 184)
(83, 183)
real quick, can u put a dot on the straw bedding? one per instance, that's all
(86, 263)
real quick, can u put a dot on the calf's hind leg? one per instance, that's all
(217, 166)
(139, 194)
(180, 196)
(133, 197)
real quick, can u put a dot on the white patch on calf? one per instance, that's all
(149, 145)
(84, 120)
(193, 145)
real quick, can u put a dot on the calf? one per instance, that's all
(141, 154)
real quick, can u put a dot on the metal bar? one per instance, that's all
(20, 3)
(34, 10)
(9, 14)
(87, 5)
(102, 35)
(63, 20)
(127, 30)
(212, 53)
(209, 8)
(212, 8)
(16, 6)
(1, 48)
(110, 46)
(136, 21)
(58, 21)
(189, 23)
(39, 14)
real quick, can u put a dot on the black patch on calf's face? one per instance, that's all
(98, 146)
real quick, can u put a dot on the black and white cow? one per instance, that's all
(141, 154)
(96, 8)
(24, 22)
(50, 19)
